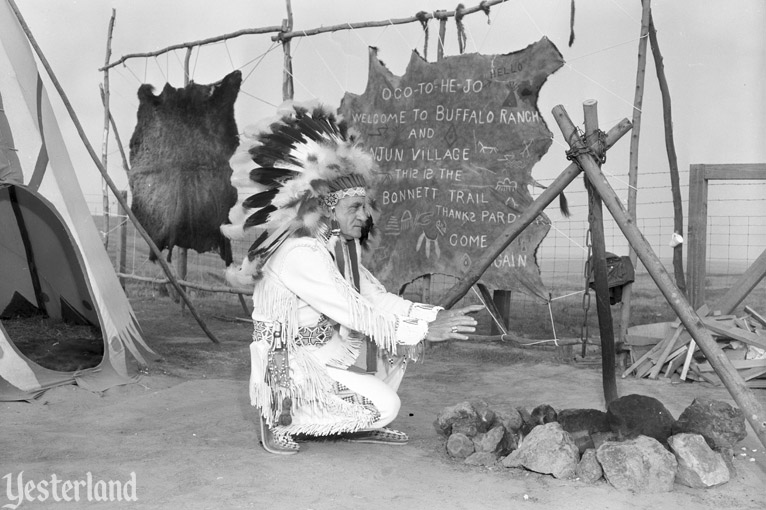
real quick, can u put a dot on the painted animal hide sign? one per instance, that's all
(179, 157)
(456, 141)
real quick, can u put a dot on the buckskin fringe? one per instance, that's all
(273, 300)
(337, 416)
(380, 326)
(310, 389)
(309, 381)
(342, 351)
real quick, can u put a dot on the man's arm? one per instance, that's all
(373, 291)
(443, 324)
(309, 271)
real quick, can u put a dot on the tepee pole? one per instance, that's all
(105, 138)
(105, 174)
(638, 99)
(743, 396)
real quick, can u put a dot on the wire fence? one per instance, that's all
(736, 238)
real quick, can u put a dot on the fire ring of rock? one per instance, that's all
(636, 445)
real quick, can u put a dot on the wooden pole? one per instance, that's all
(723, 367)
(116, 133)
(288, 89)
(742, 287)
(193, 285)
(200, 42)
(696, 238)
(484, 6)
(123, 250)
(463, 286)
(243, 303)
(669, 342)
(104, 173)
(182, 257)
(440, 14)
(105, 139)
(670, 148)
(638, 100)
(598, 259)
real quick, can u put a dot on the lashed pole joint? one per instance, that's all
(743, 396)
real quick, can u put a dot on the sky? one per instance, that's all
(713, 55)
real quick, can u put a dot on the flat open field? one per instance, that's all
(187, 431)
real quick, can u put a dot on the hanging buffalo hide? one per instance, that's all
(179, 157)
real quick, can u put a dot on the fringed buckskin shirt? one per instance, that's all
(323, 321)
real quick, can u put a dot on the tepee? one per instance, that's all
(52, 259)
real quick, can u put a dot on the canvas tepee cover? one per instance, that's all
(51, 254)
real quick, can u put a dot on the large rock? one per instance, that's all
(489, 441)
(600, 438)
(525, 418)
(509, 443)
(485, 415)
(461, 417)
(588, 469)
(640, 465)
(634, 415)
(540, 415)
(543, 414)
(722, 425)
(547, 449)
(699, 467)
(581, 424)
(508, 417)
(512, 422)
(459, 446)
(512, 460)
(583, 440)
(591, 420)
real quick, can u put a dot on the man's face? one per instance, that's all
(351, 213)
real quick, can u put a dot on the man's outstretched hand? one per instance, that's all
(453, 324)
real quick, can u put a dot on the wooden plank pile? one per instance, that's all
(667, 348)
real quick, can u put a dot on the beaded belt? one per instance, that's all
(264, 331)
(315, 335)
(306, 335)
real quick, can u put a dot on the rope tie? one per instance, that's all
(575, 152)
(598, 137)
(422, 17)
(599, 153)
(571, 23)
(461, 38)
(485, 8)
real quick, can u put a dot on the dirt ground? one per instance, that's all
(187, 431)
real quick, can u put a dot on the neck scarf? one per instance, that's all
(346, 257)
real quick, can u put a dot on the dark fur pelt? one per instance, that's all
(180, 177)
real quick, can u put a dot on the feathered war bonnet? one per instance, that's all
(307, 162)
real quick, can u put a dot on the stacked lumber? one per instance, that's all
(667, 348)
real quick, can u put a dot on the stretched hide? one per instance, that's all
(179, 157)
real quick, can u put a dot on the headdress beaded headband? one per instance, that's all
(307, 163)
(331, 199)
